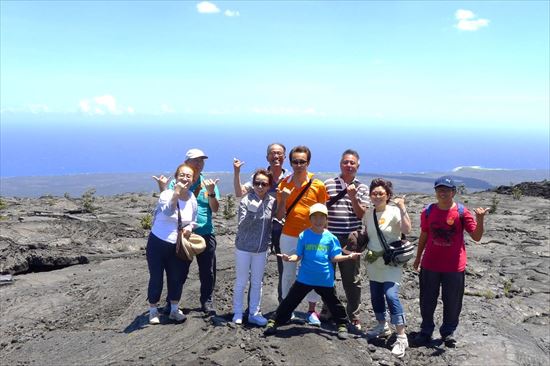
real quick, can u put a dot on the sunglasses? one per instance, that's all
(299, 162)
(260, 184)
(378, 194)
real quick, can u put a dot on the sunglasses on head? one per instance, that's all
(260, 184)
(299, 162)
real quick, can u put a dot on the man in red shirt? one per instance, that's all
(444, 261)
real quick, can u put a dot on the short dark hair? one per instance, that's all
(278, 144)
(351, 152)
(300, 149)
(386, 184)
(265, 172)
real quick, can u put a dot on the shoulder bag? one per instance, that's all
(396, 253)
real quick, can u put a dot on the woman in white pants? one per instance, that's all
(252, 240)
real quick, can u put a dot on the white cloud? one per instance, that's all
(107, 101)
(231, 13)
(165, 108)
(103, 104)
(462, 14)
(38, 108)
(206, 7)
(467, 20)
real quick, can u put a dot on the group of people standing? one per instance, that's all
(303, 219)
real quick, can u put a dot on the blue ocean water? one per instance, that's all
(60, 146)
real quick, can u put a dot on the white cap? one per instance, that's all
(194, 154)
(318, 207)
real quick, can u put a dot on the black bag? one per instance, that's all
(396, 253)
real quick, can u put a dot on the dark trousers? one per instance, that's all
(161, 257)
(207, 269)
(276, 244)
(297, 293)
(452, 292)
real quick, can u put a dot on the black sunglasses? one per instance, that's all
(260, 184)
(299, 162)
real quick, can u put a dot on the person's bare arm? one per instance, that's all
(420, 249)
(358, 208)
(480, 215)
(240, 190)
(342, 258)
(210, 185)
(405, 219)
(281, 203)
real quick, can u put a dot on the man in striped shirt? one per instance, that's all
(344, 217)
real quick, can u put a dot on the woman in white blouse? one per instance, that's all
(161, 246)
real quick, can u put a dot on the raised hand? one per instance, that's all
(237, 164)
(180, 187)
(480, 211)
(352, 191)
(210, 184)
(285, 192)
(400, 202)
(162, 181)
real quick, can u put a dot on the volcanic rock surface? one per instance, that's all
(78, 294)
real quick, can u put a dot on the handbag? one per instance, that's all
(396, 253)
(357, 241)
(186, 249)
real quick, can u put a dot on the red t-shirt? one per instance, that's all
(445, 250)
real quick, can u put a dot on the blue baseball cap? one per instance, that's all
(445, 181)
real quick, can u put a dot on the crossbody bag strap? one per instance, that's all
(180, 226)
(380, 235)
(336, 198)
(289, 209)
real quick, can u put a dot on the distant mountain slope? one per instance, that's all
(109, 184)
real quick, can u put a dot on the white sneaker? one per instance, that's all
(238, 319)
(381, 330)
(177, 316)
(400, 345)
(154, 317)
(257, 319)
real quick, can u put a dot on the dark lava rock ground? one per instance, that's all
(79, 294)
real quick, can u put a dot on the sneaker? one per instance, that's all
(356, 323)
(422, 339)
(154, 317)
(400, 345)
(238, 319)
(313, 319)
(208, 309)
(381, 330)
(342, 332)
(177, 316)
(257, 319)
(166, 309)
(450, 341)
(271, 328)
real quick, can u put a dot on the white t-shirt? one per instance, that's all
(389, 222)
(165, 226)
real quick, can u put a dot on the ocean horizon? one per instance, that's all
(473, 178)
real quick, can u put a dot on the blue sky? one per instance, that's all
(476, 65)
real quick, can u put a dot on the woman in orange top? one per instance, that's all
(297, 216)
